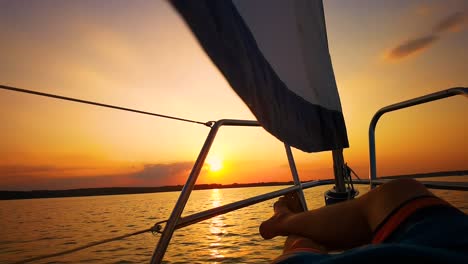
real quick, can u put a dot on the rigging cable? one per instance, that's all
(154, 229)
(76, 100)
(349, 179)
(352, 171)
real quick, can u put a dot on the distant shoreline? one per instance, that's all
(40, 194)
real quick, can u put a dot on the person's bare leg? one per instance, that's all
(344, 225)
(286, 205)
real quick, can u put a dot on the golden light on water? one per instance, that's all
(217, 229)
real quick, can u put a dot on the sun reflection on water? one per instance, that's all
(217, 229)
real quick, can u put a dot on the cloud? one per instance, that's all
(452, 23)
(424, 9)
(27, 177)
(25, 169)
(411, 47)
(39, 170)
(25, 182)
(163, 173)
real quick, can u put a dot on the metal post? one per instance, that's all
(338, 165)
(166, 236)
(339, 193)
(174, 219)
(295, 175)
(372, 156)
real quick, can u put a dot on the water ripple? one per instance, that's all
(44, 226)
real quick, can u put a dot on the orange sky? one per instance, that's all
(142, 56)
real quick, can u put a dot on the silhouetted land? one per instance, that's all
(12, 195)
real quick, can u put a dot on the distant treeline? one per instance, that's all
(429, 174)
(11, 195)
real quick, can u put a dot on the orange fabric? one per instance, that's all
(398, 217)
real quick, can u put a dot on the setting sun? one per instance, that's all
(215, 164)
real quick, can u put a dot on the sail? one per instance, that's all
(275, 55)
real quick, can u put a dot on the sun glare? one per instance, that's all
(215, 164)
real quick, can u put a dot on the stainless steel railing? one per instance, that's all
(405, 104)
(175, 221)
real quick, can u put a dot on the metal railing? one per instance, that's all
(405, 104)
(175, 220)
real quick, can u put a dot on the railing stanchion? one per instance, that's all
(295, 175)
(166, 235)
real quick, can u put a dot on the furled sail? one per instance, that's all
(275, 56)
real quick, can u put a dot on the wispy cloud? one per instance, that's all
(413, 46)
(24, 169)
(27, 182)
(28, 177)
(158, 174)
(424, 9)
(41, 170)
(452, 23)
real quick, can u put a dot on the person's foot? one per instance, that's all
(271, 227)
(285, 206)
(293, 203)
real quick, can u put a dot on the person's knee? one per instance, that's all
(397, 190)
(405, 181)
(380, 202)
(405, 187)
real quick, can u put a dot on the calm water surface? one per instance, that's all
(42, 226)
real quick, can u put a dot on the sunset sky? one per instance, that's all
(139, 54)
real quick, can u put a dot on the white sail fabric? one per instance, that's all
(292, 38)
(275, 56)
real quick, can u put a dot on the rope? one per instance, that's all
(351, 170)
(349, 179)
(154, 229)
(76, 100)
(157, 227)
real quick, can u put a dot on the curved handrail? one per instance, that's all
(408, 103)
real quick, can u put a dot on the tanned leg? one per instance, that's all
(344, 225)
